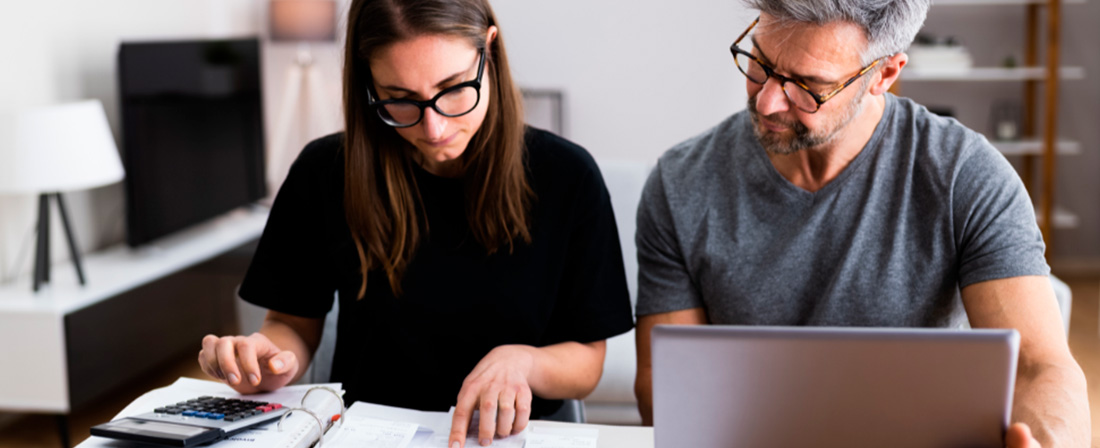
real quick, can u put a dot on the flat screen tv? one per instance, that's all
(192, 132)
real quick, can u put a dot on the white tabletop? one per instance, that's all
(610, 436)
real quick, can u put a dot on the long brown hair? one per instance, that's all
(381, 199)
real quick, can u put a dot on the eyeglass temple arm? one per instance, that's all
(742, 36)
(824, 98)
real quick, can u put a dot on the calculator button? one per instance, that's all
(215, 416)
(188, 413)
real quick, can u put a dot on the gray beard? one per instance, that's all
(803, 138)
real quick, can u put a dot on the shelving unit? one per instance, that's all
(1036, 149)
(68, 344)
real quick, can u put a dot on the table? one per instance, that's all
(611, 436)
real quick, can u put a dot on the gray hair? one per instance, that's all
(889, 25)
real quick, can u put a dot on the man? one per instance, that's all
(831, 202)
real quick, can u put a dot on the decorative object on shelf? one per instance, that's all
(1007, 119)
(938, 55)
(53, 149)
(544, 109)
(302, 22)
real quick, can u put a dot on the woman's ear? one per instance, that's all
(491, 35)
(890, 71)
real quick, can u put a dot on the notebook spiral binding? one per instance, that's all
(320, 422)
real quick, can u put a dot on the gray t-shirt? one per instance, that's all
(927, 208)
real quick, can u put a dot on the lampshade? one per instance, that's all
(303, 20)
(57, 148)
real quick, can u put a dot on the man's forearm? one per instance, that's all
(643, 390)
(1053, 401)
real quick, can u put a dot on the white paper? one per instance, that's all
(567, 431)
(440, 441)
(537, 440)
(431, 421)
(435, 427)
(559, 437)
(374, 433)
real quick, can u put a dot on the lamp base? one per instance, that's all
(42, 252)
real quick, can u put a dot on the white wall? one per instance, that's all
(639, 76)
(65, 50)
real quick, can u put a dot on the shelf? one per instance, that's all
(1063, 219)
(988, 74)
(998, 2)
(36, 326)
(120, 268)
(1035, 147)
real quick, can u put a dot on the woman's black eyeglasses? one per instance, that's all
(802, 97)
(454, 101)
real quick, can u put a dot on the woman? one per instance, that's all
(474, 258)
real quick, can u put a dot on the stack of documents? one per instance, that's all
(420, 429)
(364, 425)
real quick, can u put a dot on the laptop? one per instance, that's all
(724, 386)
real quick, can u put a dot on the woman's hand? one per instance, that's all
(248, 364)
(1019, 436)
(499, 388)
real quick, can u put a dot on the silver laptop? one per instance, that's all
(761, 387)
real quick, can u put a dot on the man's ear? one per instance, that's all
(889, 72)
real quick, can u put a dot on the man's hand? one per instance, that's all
(497, 387)
(1019, 436)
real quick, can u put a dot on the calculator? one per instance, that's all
(192, 422)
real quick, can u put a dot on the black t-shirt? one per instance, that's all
(458, 303)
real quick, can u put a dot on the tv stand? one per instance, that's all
(67, 344)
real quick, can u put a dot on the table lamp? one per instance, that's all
(301, 22)
(47, 150)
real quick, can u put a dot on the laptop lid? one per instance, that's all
(723, 386)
